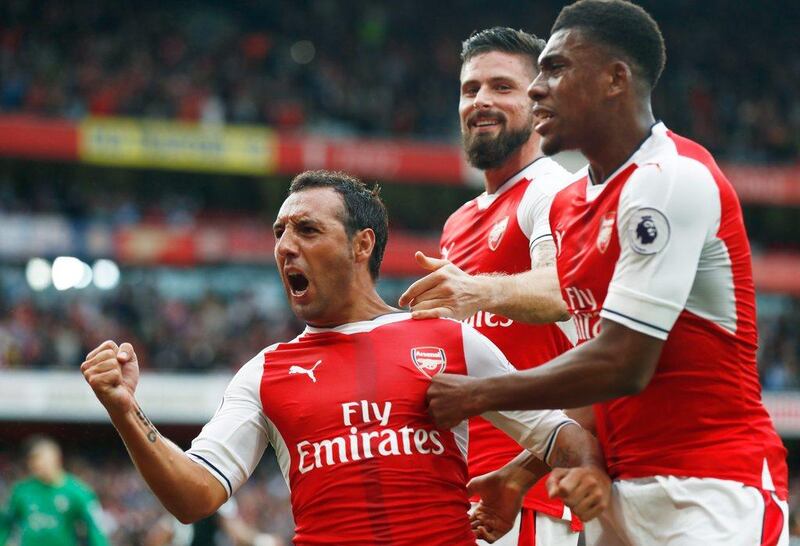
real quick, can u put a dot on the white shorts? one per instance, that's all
(548, 531)
(670, 511)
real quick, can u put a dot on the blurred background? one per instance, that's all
(146, 146)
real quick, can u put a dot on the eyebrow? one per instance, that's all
(493, 79)
(302, 221)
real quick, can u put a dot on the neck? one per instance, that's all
(54, 479)
(527, 154)
(621, 138)
(366, 305)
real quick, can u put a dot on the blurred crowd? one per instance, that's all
(209, 333)
(130, 510)
(362, 67)
(219, 332)
(779, 347)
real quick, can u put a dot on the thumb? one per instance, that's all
(426, 262)
(556, 475)
(474, 486)
(125, 353)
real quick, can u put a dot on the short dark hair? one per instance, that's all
(503, 39)
(623, 26)
(363, 207)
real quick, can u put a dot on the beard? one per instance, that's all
(487, 152)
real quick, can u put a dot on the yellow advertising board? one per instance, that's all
(177, 145)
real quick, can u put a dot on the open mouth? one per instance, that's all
(485, 119)
(543, 117)
(298, 283)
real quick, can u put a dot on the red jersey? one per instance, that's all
(661, 248)
(495, 233)
(344, 408)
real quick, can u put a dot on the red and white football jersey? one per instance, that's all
(661, 248)
(344, 408)
(496, 233)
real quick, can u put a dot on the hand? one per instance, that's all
(453, 398)
(446, 292)
(500, 504)
(113, 373)
(585, 489)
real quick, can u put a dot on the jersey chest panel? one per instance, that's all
(490, 240)
(358, 432)
(587, 247)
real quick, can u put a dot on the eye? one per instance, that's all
(278, 231)
(469, 91)
(503, 87)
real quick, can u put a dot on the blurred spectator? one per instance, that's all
(51, 507)
(132, 511)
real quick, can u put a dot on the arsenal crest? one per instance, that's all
(496, 235)
(606, 231)
(429, 360)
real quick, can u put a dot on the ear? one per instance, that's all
(363, 245)
(620, 78)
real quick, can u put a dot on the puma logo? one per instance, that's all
(310, 373)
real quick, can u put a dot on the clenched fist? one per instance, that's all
(113, 373)
(452, 398)
(585, 489)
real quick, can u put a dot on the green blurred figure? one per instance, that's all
(52, 507)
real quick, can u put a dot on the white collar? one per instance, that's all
(531, 171)
(650, 145)
(361, 326)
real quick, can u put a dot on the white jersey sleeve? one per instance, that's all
(668, 212)
(232, 442)
(537, 430)
(533, 214)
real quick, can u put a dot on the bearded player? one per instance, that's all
(495, 244)
(343, 405)
(654, 264)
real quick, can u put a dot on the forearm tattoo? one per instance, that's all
(152, 433)
(544, 255)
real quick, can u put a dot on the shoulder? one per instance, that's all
(79, 486)
(674, 177)
(550, 177)
(459, 214)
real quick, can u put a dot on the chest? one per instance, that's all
(46, 509)
(338, 385)
(490, 239)
(586, 233)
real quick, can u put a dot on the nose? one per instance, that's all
(286, 245)
(483, 99)
(537, 90)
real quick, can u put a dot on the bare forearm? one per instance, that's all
(526, 469)
(575, 447)
(533, 296)
(184, 488)
(612, 365)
